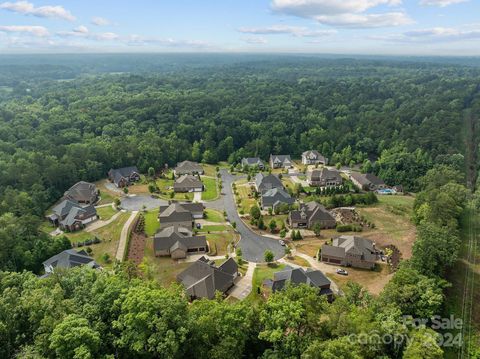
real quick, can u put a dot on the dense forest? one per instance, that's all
(67, 119)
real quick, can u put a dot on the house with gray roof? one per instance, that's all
(249, 162)
(297, 276)
(188, 183)
(68, 259)
(367, 181)
(188, 168)
(313, 157)
(324, 177)
(71, 216)
(280, 161)
(274, 197)
(180, 214)
(350, 251)
(178, 242)
(82, 192)
(309, 214)
(264, 183)
(204, 278)
(123, 177)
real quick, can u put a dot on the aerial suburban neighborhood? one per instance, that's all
(260, 215)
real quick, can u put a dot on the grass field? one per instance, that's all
(262, 272)
(211, 191)
(246, 202)
(151, 222)
(299, 261)
(219, 242)
(105, 213)
(212, 215)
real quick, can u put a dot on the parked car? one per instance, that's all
(282, 242)
(342, 271)
(199, 226)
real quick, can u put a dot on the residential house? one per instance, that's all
(324, 178)
(123, 177)
(281, 161)
(309, 214)
(367, 181)
(350, 251)
(249, 162)
(68, 259)
(203, 278)
(188, 168)
(71, 216)
(180, 214)
(264, 183)
(297, 276)
(177, 242)
(82, 192)
(313, 157)
(188, 183)
(274, 197)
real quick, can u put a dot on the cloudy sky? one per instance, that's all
(408, 27)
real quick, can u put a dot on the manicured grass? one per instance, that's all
(164, 184)
(214, 228)
(281, 218)
(113, 230)
(262, 272)
(211, 191)
(298, 261)
(151, 222)
(214, 216)
(80, 236)
(106, 213)
(287, 182)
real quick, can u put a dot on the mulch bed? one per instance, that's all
(136, 250)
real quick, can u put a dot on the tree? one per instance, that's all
(317, 228)
(260, 223)
(342, 347)
(152, 188)
(272, 225)
(151, 172)
(74, 338)
(423, 345)
(255, 212)
(125, 190)
(268, 256)
(152, 321)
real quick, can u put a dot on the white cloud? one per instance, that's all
(255, 40)
(27, 8)
(100, 21)
(38, 31)
(298, 31)
(435, 34)
(344, 13)
(81, 29)
(83, 32)
(441, 3)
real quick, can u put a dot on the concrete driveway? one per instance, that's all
(253, 245)
(136, 202)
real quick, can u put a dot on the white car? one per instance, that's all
(282, 243)
(342, 271)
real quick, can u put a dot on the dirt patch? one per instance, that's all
(136, 250)
(372, 280)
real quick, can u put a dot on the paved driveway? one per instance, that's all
(253, 245)
(136, 203)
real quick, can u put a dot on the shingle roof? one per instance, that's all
(276, 196)
(187, 180)
(350, 244)
(281, 158)
(76, 211)
(313, 211)
(267, 182)
(314, 154)
(188, 166)
(70, 258)
(297, 276)
(172, 237)
(175, 212)
(252, 161)
(324, 174)
(64, 207)
(82, 191)
(366, 179)
(203, 278)
(124, 172)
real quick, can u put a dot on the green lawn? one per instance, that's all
(219, 242)
(262, 272)
(164, 183)
(212, 215)
(106, 213)
(211, 191)
(246, 202)
(151, 222)
(214, 228)
(281, 218)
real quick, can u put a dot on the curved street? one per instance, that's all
(253, 245)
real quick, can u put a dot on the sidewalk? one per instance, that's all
(99, 224)
(124, 236)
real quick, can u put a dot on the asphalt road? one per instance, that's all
(253, 245)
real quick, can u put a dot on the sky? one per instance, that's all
(373, 27)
